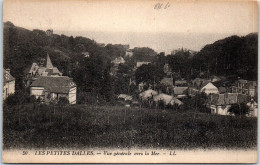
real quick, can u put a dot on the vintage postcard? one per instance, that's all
(96, 81)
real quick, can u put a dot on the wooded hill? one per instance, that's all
(233, 56)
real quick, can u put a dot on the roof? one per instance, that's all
(242, 81)
(60, 84)
(126, 97)
(180, 90)
(215, 78)
(180, 82)
(138, 64)
(228, 98)
(148, 93)
(199, 81)
(167, 81)
(118, 60)
(222, 90)
(7, 76)
(168, 99)
(49, 63)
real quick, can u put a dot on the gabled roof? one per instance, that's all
(49, 63)
(60, 84)
(167, 81)
(7, 77)
(242, 81)
(180, 90)
(148, 93)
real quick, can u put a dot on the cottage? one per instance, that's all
(181, 83)
(125, 97)
(49, 88)
(215, 78)
(8, 84)
(138, 64)
(167, 70)
(85, 54)
(37, 70)
(148, 94)
(253, 106)
(129, 53)
(221, 103)
(118, 60)
(209, 88)
(167, 81)
(180, 92)
(167, 99)
(245, 87)
(198, 82)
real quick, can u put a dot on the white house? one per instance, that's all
(49, 88)
(209, 88)
(253, 106)
(8, 84)
(118, 60)
(129, 53)
(138, 64)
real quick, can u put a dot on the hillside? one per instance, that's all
(230, 56)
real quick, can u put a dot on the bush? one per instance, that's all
(239, 109)
(63, 101)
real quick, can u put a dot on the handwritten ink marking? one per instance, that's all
(25, 152)
(159, 6)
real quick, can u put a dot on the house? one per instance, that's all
(197, 82)
(167, 81)
(49, 88)
(125, 97)
(245, 87)
(253, 106)
(181, 83)
(86, 54)
(138, 64)
(167, 99)
(221, 103)
(167, 70)
(222, 90)
(49, 32)
(118, 60)
(148, 94)
(215, 78)
(209, 88)
(129, 53)
(37, 70)
(8, 84)
(192, 91)
(167, 85)
(180, 92)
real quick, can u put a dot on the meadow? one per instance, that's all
(87, 126)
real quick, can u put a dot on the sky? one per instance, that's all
(138, 22)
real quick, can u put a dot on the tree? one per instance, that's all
(149, 74)
(239, 109)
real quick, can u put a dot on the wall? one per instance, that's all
(72, 95)
(36, 91)
(8, 88)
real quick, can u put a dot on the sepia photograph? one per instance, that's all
(96, 81)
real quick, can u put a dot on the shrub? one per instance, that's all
(239, 109)
(63, 101)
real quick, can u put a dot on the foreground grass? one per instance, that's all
(42, 126)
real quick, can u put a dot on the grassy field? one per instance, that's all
(81, 126)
